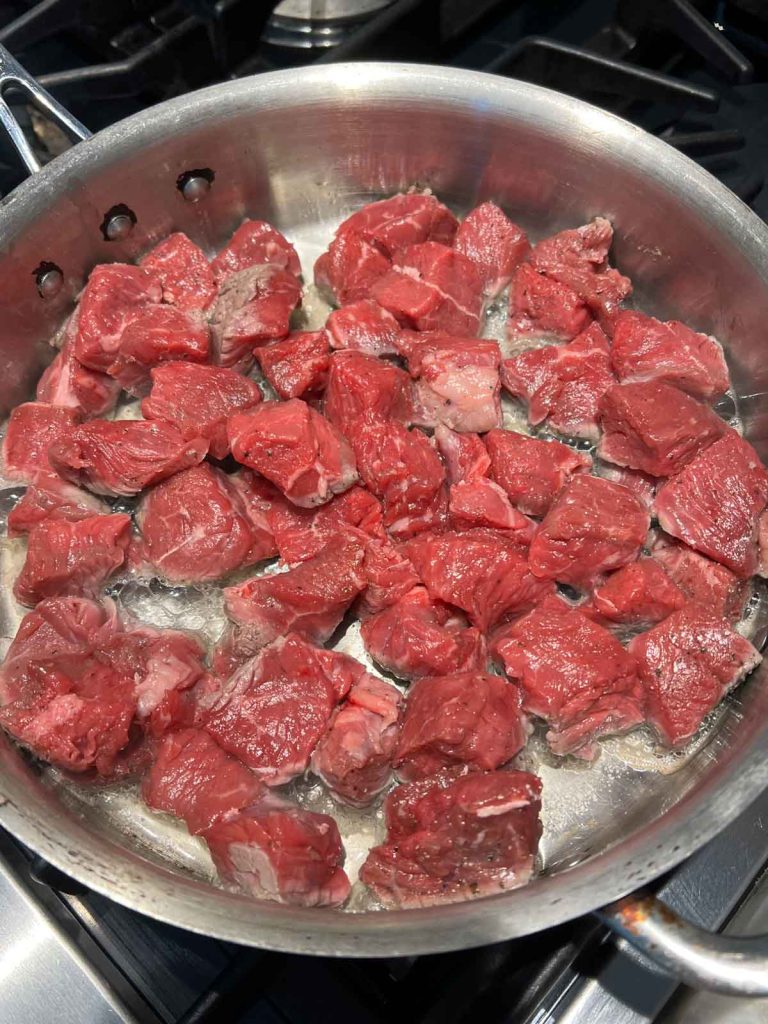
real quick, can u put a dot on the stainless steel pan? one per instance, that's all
(302, 148)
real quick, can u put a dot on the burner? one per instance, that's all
(318, 24)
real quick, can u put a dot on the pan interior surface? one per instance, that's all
(303, 150)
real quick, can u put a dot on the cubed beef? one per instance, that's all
(66, 382)
(350, 267)
(701, 580)
(532, 472)
(389, 575)
(159, 334)
(298, 365)
(466, 457)
(50, 497)
(573, 674)
(32, 428)
(482, 502)
(363, 388)
(639, 594)
(124, 456)
(402, 220)
(253, 307)
(255, 243)
(592, 527)
(198, 400)
(714, 503)
(59, 625)
(494, 244)
(671, 353)
(642, 486)
(365, 327)
(542, 308)
(687, 664)
(183, 272)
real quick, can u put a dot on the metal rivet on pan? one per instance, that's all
(118, 223)
(49, 279)
(195, 185)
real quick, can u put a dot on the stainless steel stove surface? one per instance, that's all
(696, 75)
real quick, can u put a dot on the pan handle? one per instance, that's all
(13, 76)
(730, 964)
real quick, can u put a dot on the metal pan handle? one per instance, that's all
(730, 964)
(13, 76)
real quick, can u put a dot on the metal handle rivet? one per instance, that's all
(49, 280)
(195, 185)
(118, 223)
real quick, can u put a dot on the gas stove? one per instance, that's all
(694, 74)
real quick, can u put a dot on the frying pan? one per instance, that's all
(302, 149)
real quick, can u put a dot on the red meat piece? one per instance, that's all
(274, 709)
(365, 327)
(671, 353)
(592, 527)
(483, 503)
(255, 242)
(124, 456)
(654, 427)
(532, 472)
(159, 334)
(194, 527)
(298, 365)
(114, 294)
(354, 757)
(403, 469)
(66, 382)
(347, 271)
(363, 388)
(275, 851)
(32, 428)
(72, 558)
(573, 674)
(183, 271)
(389, 576)
(687, 664)
(494, 244)
(50, 497)
(301, 533)
(563, 383)
(417, 636)
(194, 779)
(455, 837)
(403, 220)
(483, 572)
(253, 307)
(309, 599)
(471, 718)
(458, 379)
(714, 503)
(578, 258)
(542, 307)
(59, 625)
(466, 457)
(702, 581)
(639, 594)
(198, 400)
(296, 448)
(642, 486)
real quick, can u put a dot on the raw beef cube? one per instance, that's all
(274, 709)
(458, 379)
(471, 718)
(195, 780)
(159, 334)
(301, 533)
(354, 758)
(255, 243)
(579, 258)
(455, 837)
(532, 472)
(466, 457)
(114, 294)
(253, 307)
(403, 469)
(72, 558)
(563, 383)
(198, 400)
(493, 243)
(433, 288)
(389, 575)
(593, 526)
(702, 581)
(50, 497)
(671, 353)
(298, 365)
(68, 383)
(32, 428)
(482, 502)
(573, 674)
(60, 625)
(541, 307)
(642, 486)
(364, 326)
(124, 456)
(639, 594)
(402, 220)
(347, 271)
(195, 527)
(654, 427)
(363, 388)
(296, 448)
(309, 599)
(183, 272)
(714, 503)
(483, 572)
(276, 851)
(687, 664)
(417, 636)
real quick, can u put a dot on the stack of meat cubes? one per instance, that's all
(507, 578)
